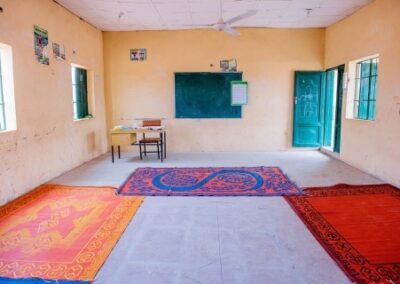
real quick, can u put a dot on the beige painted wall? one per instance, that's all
(48, 142)
(372, 146)
(267, 57)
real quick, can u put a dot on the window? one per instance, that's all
(2, 108)
(366, 77)
(7, 103)
(80, 92)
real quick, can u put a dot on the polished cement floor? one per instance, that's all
(219, 239)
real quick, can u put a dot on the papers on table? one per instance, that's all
(126, 128)
(121, 128)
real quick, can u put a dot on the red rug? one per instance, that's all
(359, 226)
(227, 181)
(61, 232)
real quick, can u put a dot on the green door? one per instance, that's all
(308, 108)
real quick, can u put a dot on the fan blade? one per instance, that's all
(230, 31)
(219, 26)
(199, 25)
(242, 16)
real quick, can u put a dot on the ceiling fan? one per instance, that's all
(225, 26)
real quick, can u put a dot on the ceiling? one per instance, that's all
(133, 15)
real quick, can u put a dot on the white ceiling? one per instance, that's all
(130, 15)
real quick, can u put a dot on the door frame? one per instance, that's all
(339, 107)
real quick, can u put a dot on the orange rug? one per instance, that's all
(61, 232)
(359, 226)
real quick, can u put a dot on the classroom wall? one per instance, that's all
(267, 57)
(372, 146)
(47, 141)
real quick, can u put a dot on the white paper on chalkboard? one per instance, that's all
(239, 93)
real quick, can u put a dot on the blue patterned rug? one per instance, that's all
(227, 181)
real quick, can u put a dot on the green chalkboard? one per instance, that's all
(205, 95)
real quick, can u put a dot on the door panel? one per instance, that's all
(339, 102)
(307, 135)
(330, 95)
(308, 110)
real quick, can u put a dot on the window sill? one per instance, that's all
(7, 131)
(83, 119)
(358, 119)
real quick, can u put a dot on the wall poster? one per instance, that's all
(228, 65)
(58, 51)
(41, 41)
(239, 93)
(139, 54)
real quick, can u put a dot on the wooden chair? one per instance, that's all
(150, 141)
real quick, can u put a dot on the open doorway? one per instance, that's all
(333, 109)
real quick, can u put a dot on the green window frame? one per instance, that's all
(366, 87)
(3, 125)
(79, 92)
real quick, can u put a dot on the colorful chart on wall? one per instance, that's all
(239, 93)
(41, 41)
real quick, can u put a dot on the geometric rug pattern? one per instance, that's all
(60, 232)
(226, 181)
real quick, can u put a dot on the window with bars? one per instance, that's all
(79, 92)
(365, 89)
(2, 106)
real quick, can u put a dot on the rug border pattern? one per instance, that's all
(355, 266)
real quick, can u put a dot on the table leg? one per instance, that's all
(119, 152)
(144, 145)
(162, 147)
(165, 144)
(112, 153)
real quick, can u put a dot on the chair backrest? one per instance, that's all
(151, 122)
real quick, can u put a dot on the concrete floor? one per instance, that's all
(219, 239)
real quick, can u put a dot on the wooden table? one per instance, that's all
(129, 137)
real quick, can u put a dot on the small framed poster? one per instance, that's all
(59, 51)
(228, 65)
(138, 54)
(224, 65)
(232, 65)
(239, 93)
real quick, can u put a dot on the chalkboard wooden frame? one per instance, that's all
(202, 95)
